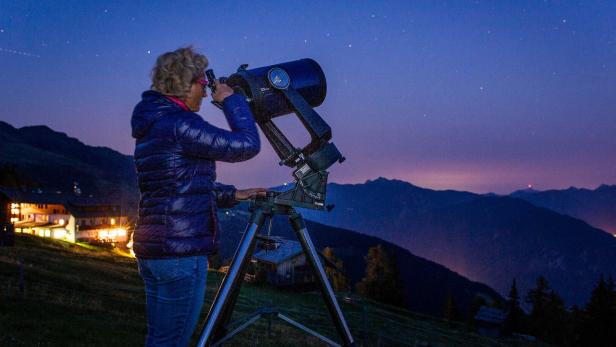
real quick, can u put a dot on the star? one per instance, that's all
(350, 45)
(149, 51)
(1, 30)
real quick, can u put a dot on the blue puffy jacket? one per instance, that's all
(175, 154)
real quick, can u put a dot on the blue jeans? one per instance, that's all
(175, 290)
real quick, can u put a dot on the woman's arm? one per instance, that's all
(199, 138)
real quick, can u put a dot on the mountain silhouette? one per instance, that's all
(597, 207)
(491, 239)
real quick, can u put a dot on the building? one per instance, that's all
(65, 217)
(283, 263)
(490, 321)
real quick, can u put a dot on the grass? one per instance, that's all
(86, 296)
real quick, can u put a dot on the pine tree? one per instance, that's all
(598, 328)
(382, 280)
(515, 316)
(548, 317)
(337, 277)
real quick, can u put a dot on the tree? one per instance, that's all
(515, 316)
(548, 317)
(336, 275)
(382, 280)
(599, 322)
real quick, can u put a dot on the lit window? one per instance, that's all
(112, 221)
(59, 234)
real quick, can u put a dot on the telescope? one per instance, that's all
(274, 91)
(292, 87)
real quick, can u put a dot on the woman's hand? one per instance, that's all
(221, 91)
(247, 194)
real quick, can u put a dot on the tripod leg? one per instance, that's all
(232, 281)
(225, 315)
(297, 222)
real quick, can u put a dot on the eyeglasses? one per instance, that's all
(203, 82)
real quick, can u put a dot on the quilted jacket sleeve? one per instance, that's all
(199, 138)
(225, 195)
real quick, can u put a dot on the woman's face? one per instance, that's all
(195, 97)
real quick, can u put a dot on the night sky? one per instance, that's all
(478, 95)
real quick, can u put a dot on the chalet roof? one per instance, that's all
(286, 249)
(31, 224)
(490, 315)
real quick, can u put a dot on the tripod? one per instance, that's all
(215, 332)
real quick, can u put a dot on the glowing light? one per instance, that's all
(14, 220)
(14, 205)
(112, 221)
(112, 234)
(121, 232)
(59, 234)
(102, 234)
(47, 233)
(14, 211)
(61, 221)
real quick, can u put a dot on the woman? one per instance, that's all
(175, 155)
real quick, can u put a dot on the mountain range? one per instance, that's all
(487, 238)
(597, 207)
(56, 161)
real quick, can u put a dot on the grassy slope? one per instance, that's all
(79, 296)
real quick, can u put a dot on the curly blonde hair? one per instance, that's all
(174, 72)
